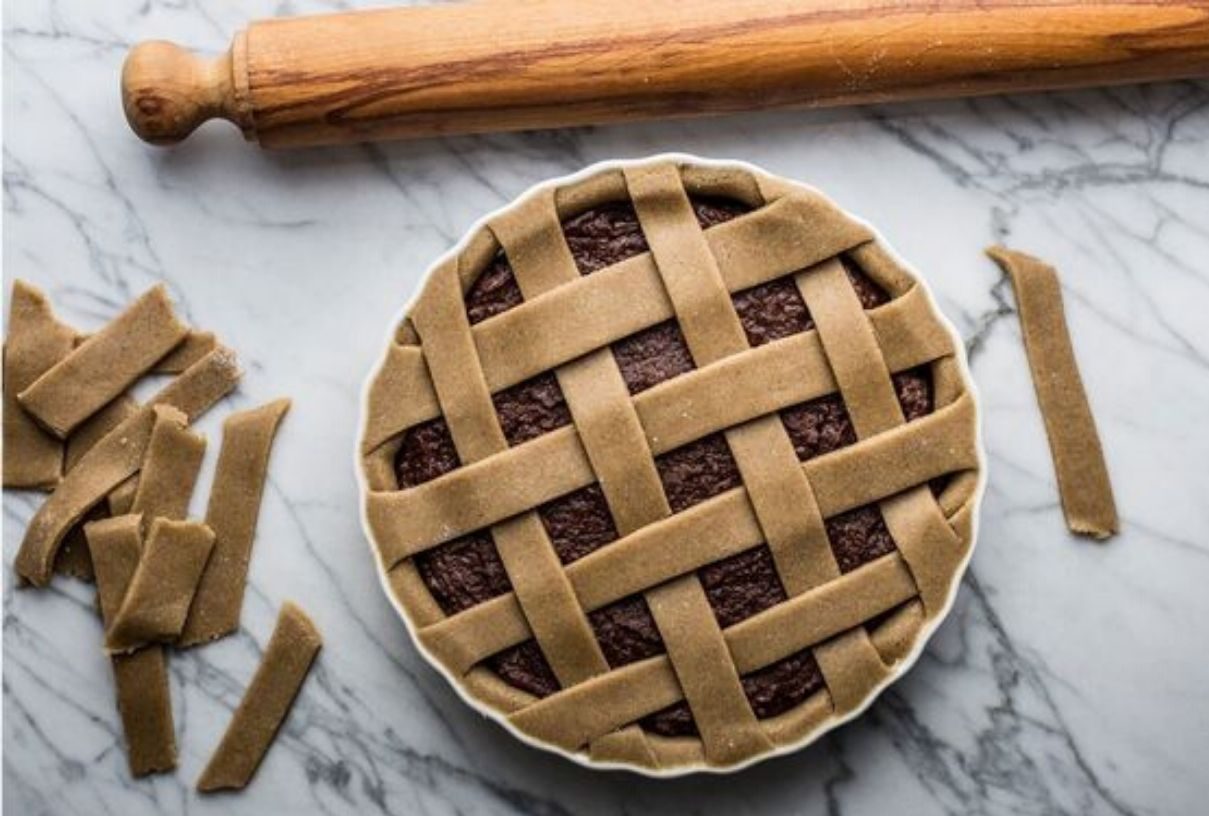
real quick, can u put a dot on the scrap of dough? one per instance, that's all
(163, 585)
(170, 467)
(115, 458)
(232, 512)
(96, 428)
(73, 558)
(1083, 483)
(36, 341)
(116, 545)
(141, 678)
(105, 365)
(264, 706)
(194, 347)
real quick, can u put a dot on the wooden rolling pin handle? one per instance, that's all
(168, 91)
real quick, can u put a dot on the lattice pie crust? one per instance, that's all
(854, 623)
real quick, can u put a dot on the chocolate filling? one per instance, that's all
(467, 571)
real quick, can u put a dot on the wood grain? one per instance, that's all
(520, 64)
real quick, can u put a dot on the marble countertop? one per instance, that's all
(1071, 676)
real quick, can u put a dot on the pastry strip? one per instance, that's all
(196, 345)
(1083, 482)
(572, 717)
(781, 496)
(96, 428)
(914, 520)
(141, 678)
(603, 414)
(105, 365)
(522, 543)
(36, 342)
(115, 458)
(628, 297)
(779, 492)
(170, 467)
(703, 309)
(73, 557)
(157, 602)
(903, 326)
(265, 704)
(707, 676)
(232, 513)
(722, 526)
(403, 525)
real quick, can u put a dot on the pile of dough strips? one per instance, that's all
(120, 477)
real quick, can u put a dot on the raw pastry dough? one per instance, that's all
(36, 341)
(104, 365)
(141, 678)
(163, 585)
(117, 457)
(265, 704)
(234, 507)
(1074, 443)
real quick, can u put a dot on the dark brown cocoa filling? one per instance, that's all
(467, 571)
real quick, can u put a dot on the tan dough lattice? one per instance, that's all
(442, 366)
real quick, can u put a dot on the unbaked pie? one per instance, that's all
(671, 465)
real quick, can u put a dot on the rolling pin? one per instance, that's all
(493, 65)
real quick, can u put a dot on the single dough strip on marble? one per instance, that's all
(1083, 483)
(115, 458)
(265, 704)
(141, 678)
(36, 341)
(162, 587)
(106, 364)
(170, 468)
(232, 512)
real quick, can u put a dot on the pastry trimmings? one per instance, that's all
(1083, 482)
(232, 513)
(33, 458)
(141, 678)
(117, 457)
(106, 364)
(266, 702)
(170, 467)
(163, 585)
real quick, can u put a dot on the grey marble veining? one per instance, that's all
(1071, 677)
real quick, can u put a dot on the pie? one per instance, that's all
(671, 465)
